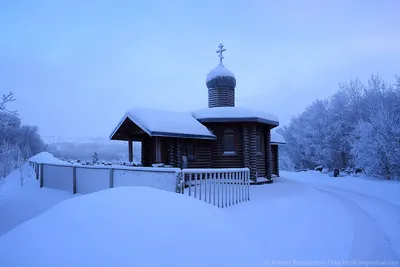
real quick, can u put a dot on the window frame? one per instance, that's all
(193, 156)
(229, 152)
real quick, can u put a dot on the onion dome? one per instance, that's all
(221, 84)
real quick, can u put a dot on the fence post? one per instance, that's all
(190, 183)
(242, 188)
(111, 177)
(181, 177)
(74, 180)
(248, 187)
(214, 175)
(36, 166)
(41, 175)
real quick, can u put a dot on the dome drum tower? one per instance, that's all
(221, 85)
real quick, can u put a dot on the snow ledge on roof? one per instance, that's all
(277, 138)
(221, 114)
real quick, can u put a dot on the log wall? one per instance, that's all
(218, 159)
(274, 160)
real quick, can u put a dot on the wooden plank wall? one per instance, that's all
(274, 160)
(222, 161)
(245, 146)
(209, 153)
(268, 154)
(173, 153)
(253, 151)
(202, 154)
(147, 152)
(261, 158)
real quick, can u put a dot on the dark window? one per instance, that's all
(259, 143)
(229, 142)
(190, 150)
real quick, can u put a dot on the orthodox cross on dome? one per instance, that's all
(219, 51)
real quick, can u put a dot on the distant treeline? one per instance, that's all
(359, 126)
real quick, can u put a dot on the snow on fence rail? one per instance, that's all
(220, 187)
(88, 179)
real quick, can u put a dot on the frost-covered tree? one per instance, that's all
(376, 145)
(19, 164)
(95, 158)
(17, 142)
(357, 126)
(9, 126)
(7, 158)
(285, 161)
(305, 136)
(30, 140)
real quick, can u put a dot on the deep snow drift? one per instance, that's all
(305, 218)
(21, 203)
(130, 226)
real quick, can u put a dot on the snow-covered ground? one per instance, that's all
(19, 204)
(305, 218)
(309, 216)
(130, 226)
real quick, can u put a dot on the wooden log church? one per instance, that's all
(220, 136)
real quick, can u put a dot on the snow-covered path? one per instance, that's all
(375, 219)
(374, 224)
(312, 218)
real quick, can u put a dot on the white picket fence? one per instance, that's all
(219, 187)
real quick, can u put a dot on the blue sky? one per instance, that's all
(76, 66)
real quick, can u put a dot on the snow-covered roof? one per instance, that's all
(46, 157)
(219, 71)
(230, 114)
(277, 138)
(166, 123)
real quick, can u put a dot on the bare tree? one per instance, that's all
(6, 98)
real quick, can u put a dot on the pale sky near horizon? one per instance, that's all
(75, 67)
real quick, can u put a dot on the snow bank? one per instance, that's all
(46, 157)
(219, 71)
(166, 123)
(130, 226)
(21, 203)
(244, 114)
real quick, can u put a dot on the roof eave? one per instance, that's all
(278, 143)
(181, 135)
(117, 127)
(133, 120)
(238, 119)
